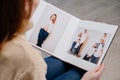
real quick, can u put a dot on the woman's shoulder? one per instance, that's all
(19, 51)
(21, 54)
(19, 57)
(13, 52)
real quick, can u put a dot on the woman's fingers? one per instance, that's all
(101, 69)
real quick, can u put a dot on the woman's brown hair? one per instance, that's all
(12, 14)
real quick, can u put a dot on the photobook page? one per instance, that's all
(50, 24)
(87, 44)
(82, 43)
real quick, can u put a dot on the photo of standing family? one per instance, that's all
(79, 43)
(96, 50)
(89, 45)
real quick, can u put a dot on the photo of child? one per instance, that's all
(77, 44)
(89, 44)
(90, 52)
(95, 52)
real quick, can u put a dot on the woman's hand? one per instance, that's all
(94, 74)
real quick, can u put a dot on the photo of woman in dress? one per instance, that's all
(46, 30)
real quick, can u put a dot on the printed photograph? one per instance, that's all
(89, 44)
(50, 28)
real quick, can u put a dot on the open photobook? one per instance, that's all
(82, 43)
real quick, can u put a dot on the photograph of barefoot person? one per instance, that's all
(49, 28)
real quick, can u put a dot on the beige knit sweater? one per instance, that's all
(20, 61)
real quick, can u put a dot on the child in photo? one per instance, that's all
(84, 40)
(96, 56)
(76, 45)
(90, 52)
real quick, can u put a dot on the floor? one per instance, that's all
(107, 11)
